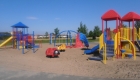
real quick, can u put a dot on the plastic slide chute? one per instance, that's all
(6, 41)
(95, 48)
(84, 39)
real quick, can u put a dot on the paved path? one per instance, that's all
(6, 74)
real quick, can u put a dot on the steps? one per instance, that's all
(109, 51)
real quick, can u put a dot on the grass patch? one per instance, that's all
(62, 41)
(48, 41)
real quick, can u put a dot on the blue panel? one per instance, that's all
(105, 37)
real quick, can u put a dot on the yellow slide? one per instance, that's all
(2, 44)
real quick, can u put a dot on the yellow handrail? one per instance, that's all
(104, 54)
(132, 46)
(102, 45)
(101, 41)
(115, 44)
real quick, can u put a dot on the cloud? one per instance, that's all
(31, 17)
(57, 18)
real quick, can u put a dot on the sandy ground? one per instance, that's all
(70, 62)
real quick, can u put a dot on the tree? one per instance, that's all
(96, 32)
(137, 25)
(83, 29)
(124, 26)
(90, 34)
(46, 34)
(56, 31)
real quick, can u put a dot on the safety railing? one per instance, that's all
(101, 41)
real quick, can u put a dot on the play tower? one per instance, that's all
(21, 38)
(120, 42)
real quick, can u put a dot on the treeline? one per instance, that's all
(96, 32)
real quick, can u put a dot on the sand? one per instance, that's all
(70, 62)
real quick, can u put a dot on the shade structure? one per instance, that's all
(19, 25)
(130, 16)
(110, 15)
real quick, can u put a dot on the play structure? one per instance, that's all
(120, 42)
(52, 52)
(80, 39)
(61, 47)
(20, 38)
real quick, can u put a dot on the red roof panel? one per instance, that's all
(130, 16)
(111, 15)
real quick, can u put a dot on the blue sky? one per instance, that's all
(46, 15)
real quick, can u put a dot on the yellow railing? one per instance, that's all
(104, 53)
(115, 44)
(101, 41)
(127, 33)
(102, 45)
(134, 50)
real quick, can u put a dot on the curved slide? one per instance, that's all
(84, 39)
(92, 50)
(2, 44)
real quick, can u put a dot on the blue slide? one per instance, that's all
(92, 50)
(84, 39)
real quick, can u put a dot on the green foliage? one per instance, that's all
(46, 34)
(90, 33)
(83, 29)
(56, 31)
(96, 32)
(124, 26)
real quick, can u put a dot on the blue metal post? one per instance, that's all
(50, 38)
(22, 40)
(67, 38)
(26, 38)
(70, 38)
(54, 41)
(13, 37)
(17, 38)
(26, 32)
(33, 43)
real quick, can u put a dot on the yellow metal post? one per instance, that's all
(104, 54)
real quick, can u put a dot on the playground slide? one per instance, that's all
(2, 44)
(92, 50)
(84, 39)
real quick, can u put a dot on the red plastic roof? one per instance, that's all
(111, 15)
(130, 16)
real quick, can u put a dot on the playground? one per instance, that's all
(70, 62)
(116, 54)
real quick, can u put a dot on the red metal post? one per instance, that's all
(133, 35)
(117, 36)
(102, 26)
(129, 30)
